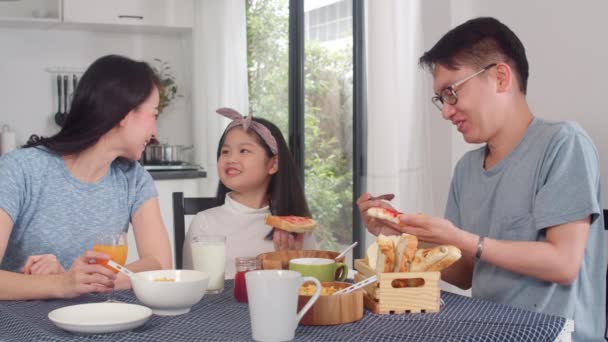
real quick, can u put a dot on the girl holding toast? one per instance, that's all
(257, 179)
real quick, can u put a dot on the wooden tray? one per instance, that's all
(280, 260)
(384, 298)
(332, 310)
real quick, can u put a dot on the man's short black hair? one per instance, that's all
(479, 42)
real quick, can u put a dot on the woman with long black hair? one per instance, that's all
(58, 193)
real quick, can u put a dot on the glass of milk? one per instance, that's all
(209, 256)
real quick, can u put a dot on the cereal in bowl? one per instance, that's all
(309, 290)
(165, 279)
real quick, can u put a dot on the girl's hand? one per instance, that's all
(42, 264)
(374, 225)
(283, 240)
(84, 276)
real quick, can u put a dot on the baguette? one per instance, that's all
(404, 245)
(435, 259)
(432, 260)
(294, 224)
(371, 255)
(406, 249)
(400, 253)
(386, 254)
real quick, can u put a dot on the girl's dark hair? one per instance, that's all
(286, 194)
(108, 90)
(479, 42)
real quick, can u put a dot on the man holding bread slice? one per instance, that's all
(524, 209)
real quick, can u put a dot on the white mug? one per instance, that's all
(273, 303)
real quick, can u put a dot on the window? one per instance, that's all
(328, 112)
(268, 60)
(327, 21)
(321, 109)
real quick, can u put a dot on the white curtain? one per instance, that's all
(409, 145)
(398, 94)
(219, 75)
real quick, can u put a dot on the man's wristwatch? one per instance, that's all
(479, 247)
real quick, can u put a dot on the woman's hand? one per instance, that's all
(42, 264)
(283, 240)
(85, 276)
(374, 225)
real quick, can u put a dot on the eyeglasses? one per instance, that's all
(448, 95)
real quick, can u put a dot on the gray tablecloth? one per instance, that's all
(221, 318)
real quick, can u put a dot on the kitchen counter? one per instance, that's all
(177, 174)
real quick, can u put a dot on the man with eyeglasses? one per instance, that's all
(525, 209)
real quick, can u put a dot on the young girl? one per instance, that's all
(257, 178)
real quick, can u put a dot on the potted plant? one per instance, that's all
(168, 89)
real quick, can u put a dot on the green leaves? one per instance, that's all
(168, 89)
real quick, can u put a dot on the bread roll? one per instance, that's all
(372, 255)
(435, 259)
(386, 254)
(400, 253)
(404, 245)
(406, 249)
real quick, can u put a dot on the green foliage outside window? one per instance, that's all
(328, 117)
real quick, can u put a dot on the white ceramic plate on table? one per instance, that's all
(98, 318)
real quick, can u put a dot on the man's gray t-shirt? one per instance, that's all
(55, 213)
(552, 177)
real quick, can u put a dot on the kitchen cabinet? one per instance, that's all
(139, 15)
(153, 13)
(194, 187)
(32, 11)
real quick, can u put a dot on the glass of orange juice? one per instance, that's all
(113, 244)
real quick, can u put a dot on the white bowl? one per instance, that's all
(170, 297)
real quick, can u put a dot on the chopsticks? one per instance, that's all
(358, 285)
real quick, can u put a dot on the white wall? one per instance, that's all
(28, 92)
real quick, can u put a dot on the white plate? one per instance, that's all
(97, 318)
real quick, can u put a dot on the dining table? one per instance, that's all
(219, 317)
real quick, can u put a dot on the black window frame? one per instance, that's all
(297, 103)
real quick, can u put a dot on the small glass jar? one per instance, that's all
(243, 265)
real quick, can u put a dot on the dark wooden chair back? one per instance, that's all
(606, 227)
(183, 206)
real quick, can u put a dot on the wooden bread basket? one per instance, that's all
(383, 298)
